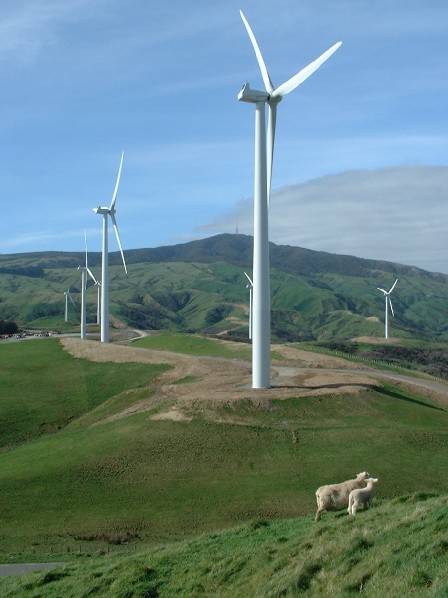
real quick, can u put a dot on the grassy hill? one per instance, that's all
(398, 548)
(76, 480)
(200, 286)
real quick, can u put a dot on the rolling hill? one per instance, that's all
(116, 465)
(200, 287)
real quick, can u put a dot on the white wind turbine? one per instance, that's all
(67, 297)
(84, 272)
(264, 154)
(250, 286)
(106, 212)
(386, 308)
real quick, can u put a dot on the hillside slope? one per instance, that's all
(200, 286)
(398, 548)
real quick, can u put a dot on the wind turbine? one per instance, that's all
(386, 311)
(276, 94)
(84, 272)
(106, 212)
(67, 297)
(264, 154)
(249, 286)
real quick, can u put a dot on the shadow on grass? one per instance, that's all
(396, 395)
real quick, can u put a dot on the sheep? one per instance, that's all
(362, 495)
(334, 497)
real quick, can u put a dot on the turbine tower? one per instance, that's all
(386, 308)
(84, 272)
(264, 155)
(250, 286)
(98, 302)
(67, 297)
(106, 212)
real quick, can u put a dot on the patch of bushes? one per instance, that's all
(8, 327)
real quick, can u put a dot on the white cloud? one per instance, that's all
(397, 214)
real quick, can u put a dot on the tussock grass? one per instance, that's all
(397, 548)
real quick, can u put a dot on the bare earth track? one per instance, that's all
(211, 379)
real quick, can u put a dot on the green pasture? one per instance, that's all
(397, 548)
(73, 480)
(43, 388)
(192, 344)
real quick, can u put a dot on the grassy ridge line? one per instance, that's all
(43, 388)
(397, 548)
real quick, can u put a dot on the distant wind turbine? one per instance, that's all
(264, 154)
(84, 272)
(249, 286)
(106, 212)
(386, 309)
(67, 297)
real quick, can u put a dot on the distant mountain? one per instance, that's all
(200, 286)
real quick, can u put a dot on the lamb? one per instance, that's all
(362, 495)
(334, 497)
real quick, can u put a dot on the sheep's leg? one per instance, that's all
(318, 514)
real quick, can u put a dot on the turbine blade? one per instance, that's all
(114, 223)
(85, 243)
(391, 308)
(264, 71)
(71, 299)
(270, 145)
(248, 278)
(114, 195)
(89, 272)
(306, 72)
(385, 292)
(393, 286)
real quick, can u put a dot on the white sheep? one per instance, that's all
(334, 497)
(362, 495)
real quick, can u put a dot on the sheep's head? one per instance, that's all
(363, 476)
(372, 480)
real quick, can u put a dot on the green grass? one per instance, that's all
(43, 388)
(137, 483)
(397, 548)
(192, 344)
(195, 344)
(162, 480)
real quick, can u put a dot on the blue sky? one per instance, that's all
(361, 156)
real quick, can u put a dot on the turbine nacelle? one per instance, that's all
(252, 95)
(100, 210)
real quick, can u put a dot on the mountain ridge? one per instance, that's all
(199, 286)
(235, 249)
